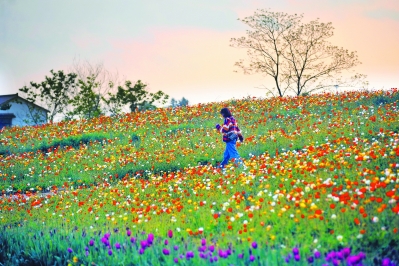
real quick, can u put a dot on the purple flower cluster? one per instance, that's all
(342, 257)
(387, 262)
(209, 253)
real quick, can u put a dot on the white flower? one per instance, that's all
(333, 216)
(375, 219)
(339, 238)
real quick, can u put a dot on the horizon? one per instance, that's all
(180, 48)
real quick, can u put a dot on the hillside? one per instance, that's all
(142, 188)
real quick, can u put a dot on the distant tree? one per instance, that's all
(86, 103)
(53, 93)
(183, 102)
(97, 82)
(175, 103)
(136, 97)
(296, 55)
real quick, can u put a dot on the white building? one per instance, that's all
(16, 111)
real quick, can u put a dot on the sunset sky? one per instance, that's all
(180, 46)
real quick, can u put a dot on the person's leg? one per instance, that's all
(234, 153)
(226, 157)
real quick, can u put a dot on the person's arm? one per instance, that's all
(226, 126)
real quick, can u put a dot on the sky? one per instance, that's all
(181, 47)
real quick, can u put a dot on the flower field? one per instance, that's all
(321, 186)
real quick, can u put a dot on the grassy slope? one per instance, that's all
(308, 149)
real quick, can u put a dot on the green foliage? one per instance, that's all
(176, 103)
(5, 106)
(55, 92)
(86, 104)
(137, 97)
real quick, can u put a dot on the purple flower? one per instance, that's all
(143, 244)
(105, 241)
(150, 238)
(70, 250)
(317, 254)
(340, 255)
(202, 249)
(176, 247)
(297, 257)
(386, 262)
(170, 233)
(133, 240)
(190, 254)
(254, 245)
(211, 248)
(128, 232)
(107, 235)
(241, 256)
(330, 256)
(346, 252)
(203, 242)
(335, 262)
(166, 251)
(222, 253)
(86, 248)
(110, 252)
(295, 251)
(87, 253)
(166, 242)
(251, 258)
(310, 260)
(91, 242)
(287, 259)
(141, 251)
(176, 260)
(215, 258)
(117, 245)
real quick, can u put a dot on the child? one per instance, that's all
(231, 133)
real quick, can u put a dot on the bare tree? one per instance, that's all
(95, 74)
(296, 55)
(315, 63)
(265, 45)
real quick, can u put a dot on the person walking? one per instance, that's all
(231, 132)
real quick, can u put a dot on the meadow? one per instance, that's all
(320, 187)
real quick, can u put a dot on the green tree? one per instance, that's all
(175, 103)
(86, 103)
(53, 93)
(137, 97)
(297, 55)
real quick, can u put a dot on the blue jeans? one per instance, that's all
(230, 153)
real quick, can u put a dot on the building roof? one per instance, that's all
(6, 98)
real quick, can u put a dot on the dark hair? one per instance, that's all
(225, 112)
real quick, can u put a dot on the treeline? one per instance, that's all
(90, 91)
